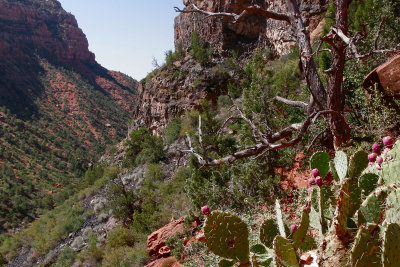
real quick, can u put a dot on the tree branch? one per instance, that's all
(269, 144)
(292, 103)
(247, 10)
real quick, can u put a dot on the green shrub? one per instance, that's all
(154, 172)
(120, 237)
(172, 130)
(142, 147)
(199, 50)
(66, 258)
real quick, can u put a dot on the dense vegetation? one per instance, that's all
(43, 157)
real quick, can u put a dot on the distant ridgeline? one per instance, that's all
(59, 108)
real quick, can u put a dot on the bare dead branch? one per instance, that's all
(378, 33)
(228, 120)
(247, 10)
(270, 144)
(292, 103)
(315, 139)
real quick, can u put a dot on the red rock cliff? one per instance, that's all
(254, 31)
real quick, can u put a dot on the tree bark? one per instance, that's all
(306, 55)
(335, 102)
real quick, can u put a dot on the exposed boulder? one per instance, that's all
(156, 240)
(170, 261)
(386, 76)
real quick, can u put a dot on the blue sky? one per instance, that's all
(125, 35)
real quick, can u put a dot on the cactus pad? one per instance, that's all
(227, 236)
(268, 231)
(340, 164)
(391, 246)
(226, 263)
(279, 219)
(391, 172)
(366, 250)
(371, 209)
(358, 162)
(301, 232)
(320, 160)
(285, 254)
(342, 210)
(368, 183)
(392, 213)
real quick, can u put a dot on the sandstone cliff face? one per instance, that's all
(252, 32)
(171, 91)
(32, 30)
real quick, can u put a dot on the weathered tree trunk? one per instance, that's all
(335, 102)
(306, 54)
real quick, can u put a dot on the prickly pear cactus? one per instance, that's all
(391, 172)
(227, 236)
(340, 165)
(368, 182)
(391, 246)
(226, 263)
(300, 234)
(366, 250)
(342, 210)
(321, 208)
(371, 209)
(358, 162)
(320, 160)
(279, 219)
(268, 231)
(392, 213)
(285, 254)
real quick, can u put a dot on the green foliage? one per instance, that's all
(173, 129)
(142, 147)
(119, 237)
(47, 231)
(171, 57)
(199, 50)
(175, 243)
(66, 258)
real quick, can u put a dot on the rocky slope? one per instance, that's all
(59, 107)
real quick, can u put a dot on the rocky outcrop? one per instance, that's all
(386, 76)
(32, 30)
(173, 90)
(252, 32)
(156, 241)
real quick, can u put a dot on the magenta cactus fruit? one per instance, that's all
(379, 160)
(376, 149)
(205, 210)
(372, 157)
(388, 141)
(318, 181)
(311, 181)
(293, 228)
(378, 167)
(315, 173)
